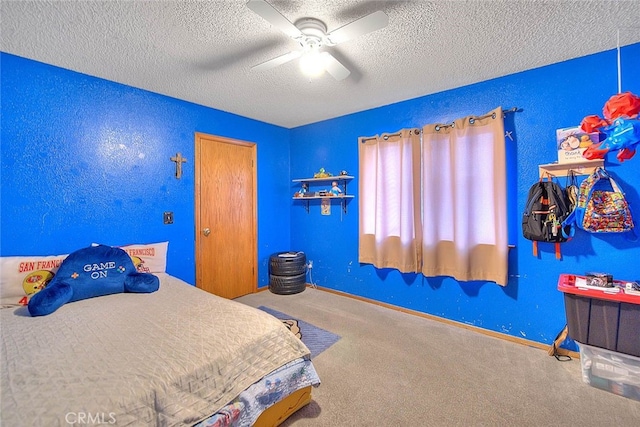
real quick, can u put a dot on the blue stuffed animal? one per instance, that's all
(91, 272)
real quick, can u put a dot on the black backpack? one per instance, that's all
(547, 207)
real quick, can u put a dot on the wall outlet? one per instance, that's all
(168, 218)
(310, 265)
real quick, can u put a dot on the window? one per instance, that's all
(437, 204)
(390, 210)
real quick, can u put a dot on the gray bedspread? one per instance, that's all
(170, 358)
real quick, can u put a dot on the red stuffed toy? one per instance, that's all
(620, 124)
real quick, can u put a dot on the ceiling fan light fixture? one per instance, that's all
(311, 34)
(312, 63)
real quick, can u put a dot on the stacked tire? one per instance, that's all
(287, 273)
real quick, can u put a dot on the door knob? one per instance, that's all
(206, 231)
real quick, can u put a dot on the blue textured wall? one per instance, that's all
(530, 306)
(87, 160)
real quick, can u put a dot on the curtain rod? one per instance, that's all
(440, 126)
(386, 136)
(472, 119)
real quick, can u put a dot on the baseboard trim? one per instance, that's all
(494, 334)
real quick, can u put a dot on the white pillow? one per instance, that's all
(23, 276)
(148, 258)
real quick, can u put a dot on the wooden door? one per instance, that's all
(226, 230)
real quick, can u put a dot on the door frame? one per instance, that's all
(198, 136)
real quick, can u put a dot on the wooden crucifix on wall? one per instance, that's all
(179, 161)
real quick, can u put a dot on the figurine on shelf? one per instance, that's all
(303, 189)
(335, 190)
(321, 174)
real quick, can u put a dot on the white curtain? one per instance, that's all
(389, 192)
(464, 213)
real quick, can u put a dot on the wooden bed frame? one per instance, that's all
(278, 413)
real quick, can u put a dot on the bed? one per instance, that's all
(175, 357)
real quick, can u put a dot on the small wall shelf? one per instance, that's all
(341, 179)
(344, 178)
(586, 167)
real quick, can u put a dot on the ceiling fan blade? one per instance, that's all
(279, 60)
(364, 25)
(272, 16)
(334, 67)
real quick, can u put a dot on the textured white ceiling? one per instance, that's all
(202, 51)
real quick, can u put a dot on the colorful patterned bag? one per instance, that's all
(600, 209)
(607, 212)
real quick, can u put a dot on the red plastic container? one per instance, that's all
(602, 318)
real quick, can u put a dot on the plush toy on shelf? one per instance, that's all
(620, 125)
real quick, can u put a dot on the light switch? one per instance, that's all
(168, 217)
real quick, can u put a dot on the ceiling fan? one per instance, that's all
(312, 35)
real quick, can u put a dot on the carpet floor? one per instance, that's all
(316, 339)
(394, 369)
